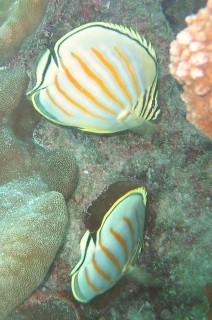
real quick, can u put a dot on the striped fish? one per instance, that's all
(100, 77)
(109, 253)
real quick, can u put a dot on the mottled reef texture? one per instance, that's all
(173, 163)
(33, 217)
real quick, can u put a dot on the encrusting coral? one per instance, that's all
(20, 18)
(191, 65)
(33, 217)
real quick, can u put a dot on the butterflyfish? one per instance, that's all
(111, 252)
(100, 77)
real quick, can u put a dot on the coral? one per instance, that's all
(32, 228)
(191, 65)
(173, 164)
(33, 217)
(58, 170)
(20, 18)
(21, 157)
(11, 80)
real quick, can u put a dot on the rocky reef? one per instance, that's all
(37, 160)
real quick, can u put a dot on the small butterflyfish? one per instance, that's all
(100, 77)
(112, 251)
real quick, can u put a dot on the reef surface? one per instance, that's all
(173, 163)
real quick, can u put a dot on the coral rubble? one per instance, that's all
(18, 20)
(191, 65)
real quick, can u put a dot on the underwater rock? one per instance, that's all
(53, 309)
(18, 20)
(33, 222)
(176, 11)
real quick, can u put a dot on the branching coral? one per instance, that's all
(18, 20)
(191, 65)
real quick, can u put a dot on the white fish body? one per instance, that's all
(101, 78)
(108, 256)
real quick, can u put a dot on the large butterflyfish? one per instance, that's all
(100, 77)
(112, 251)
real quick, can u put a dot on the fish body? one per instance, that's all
(110, 253)
(100, 77)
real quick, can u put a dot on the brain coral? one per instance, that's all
(32, 227)
(18, 19)
(191, 65)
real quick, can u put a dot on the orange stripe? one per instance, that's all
(84, 91)
(56, 104)
(89, 282)
(110, 256)
(75, 103)
(130, 226)
(100, 271)
(127, 220)
(120, 240)
(98, 80)
(114, 73)
(129, 68)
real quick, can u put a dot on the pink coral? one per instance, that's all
(191, 65)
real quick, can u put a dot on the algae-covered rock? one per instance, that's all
(32, 224)
(53, 309)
